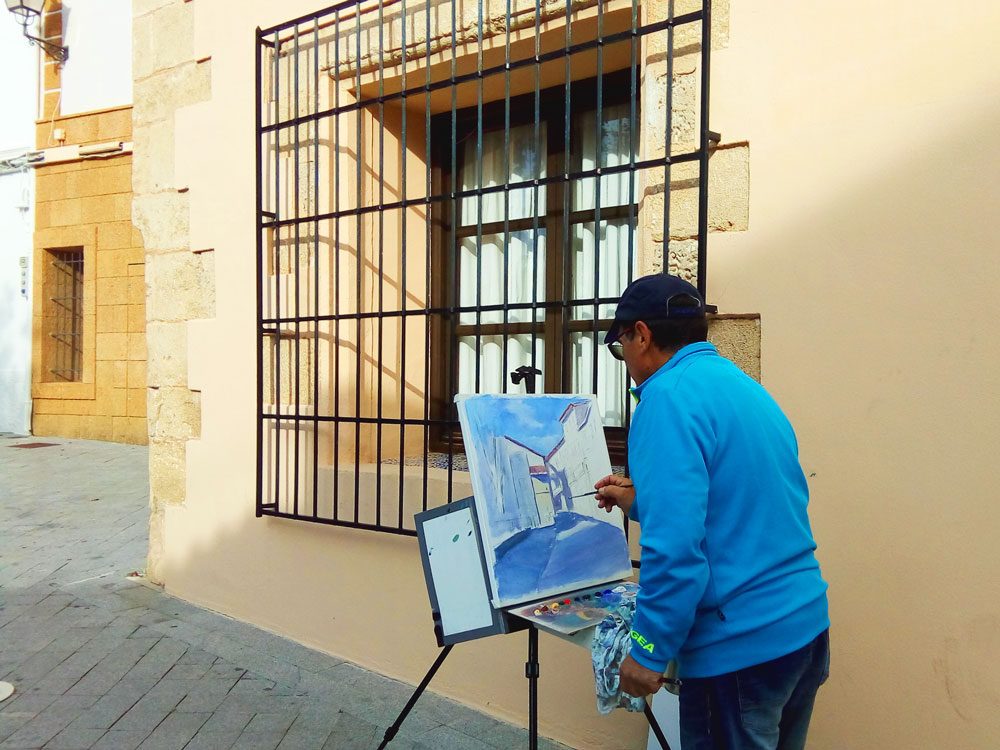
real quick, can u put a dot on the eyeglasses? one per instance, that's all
(616, 348)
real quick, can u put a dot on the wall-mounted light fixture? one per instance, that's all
(26, 12)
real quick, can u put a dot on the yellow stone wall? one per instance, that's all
(87, 204)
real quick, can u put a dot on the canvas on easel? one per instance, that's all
(533, 461)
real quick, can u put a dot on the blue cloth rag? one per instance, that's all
(612, 643)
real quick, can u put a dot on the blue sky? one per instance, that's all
(531, 421)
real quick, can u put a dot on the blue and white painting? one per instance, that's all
(534, 460)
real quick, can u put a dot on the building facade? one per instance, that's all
(17, 188)
(88, 315)
(283, 223)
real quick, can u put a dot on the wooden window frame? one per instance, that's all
(555, 329)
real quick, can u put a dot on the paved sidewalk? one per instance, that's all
(103, 661)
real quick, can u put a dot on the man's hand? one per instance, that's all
(638, 681)
(615, 491)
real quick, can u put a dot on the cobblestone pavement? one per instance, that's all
(102, 660)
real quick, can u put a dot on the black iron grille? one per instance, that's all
(450, 198)
(64, 316)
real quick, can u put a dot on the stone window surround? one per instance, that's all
(84, 238)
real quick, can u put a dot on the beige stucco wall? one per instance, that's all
(870, 257)
(869, 224)
(355, 594)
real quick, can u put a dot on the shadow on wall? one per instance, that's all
(361, 596)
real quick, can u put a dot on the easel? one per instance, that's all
(531, 672)
(461, 535)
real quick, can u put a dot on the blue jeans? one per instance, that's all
(764, 707)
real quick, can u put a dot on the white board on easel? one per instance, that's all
(455, 569)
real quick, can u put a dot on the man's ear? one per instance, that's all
(645, 335)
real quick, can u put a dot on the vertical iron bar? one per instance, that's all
(74, 312)
(598, 184)
(706, 55)
(454, 289)
(56, 361)
(402, 275)
(567, 267)
(258, 156)
(77, 338)
(360, 269)
(298, 239)
(534, 200)
(336, 265)
(668, 137)
(428, 250)
(506, 202)
(67, 313)
(65, 290)
(381, 268)
(276, 375)
(76, 346)
(479, 198)
(632, 137)
(316, 254)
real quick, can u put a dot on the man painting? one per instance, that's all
(730, 587)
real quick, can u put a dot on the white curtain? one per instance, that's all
(526, 161)
(616, 135)
(491, 370)
(482, 259)
(485, 286)
(600, 259)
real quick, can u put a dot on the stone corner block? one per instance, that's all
(166, 354)
(738, 338)
(181, 286)
(164, 220)
(174, 414)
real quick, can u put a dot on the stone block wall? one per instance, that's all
(180, 279)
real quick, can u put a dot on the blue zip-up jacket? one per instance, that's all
(728, 577)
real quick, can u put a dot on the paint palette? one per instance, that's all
(576, 610)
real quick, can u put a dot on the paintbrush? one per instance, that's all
(589, 494)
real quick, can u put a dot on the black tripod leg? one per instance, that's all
(391, 731)
(655, 725)
(531, 670)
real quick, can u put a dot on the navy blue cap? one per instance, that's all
(658, 296)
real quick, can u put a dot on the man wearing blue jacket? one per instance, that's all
(730, 587)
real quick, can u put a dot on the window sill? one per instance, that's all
(67, 391)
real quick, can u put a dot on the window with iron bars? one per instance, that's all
(514, 252)
(63, 316)
(450, 199)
